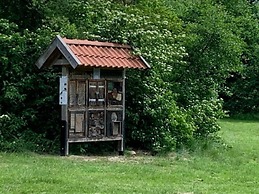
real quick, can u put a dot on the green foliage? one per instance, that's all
(211, 52)
(26, 94)
(205, 115)
(243, 96)
(23, 13)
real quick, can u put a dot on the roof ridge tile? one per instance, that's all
(94, 43)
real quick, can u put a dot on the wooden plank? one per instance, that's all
(61, 62)
(64, 114)
(145, 62)
(101, 88)
(67, 53)
(43, 58)
(75, 140)
(101, 93)
(116, 128)
(72, 121)
(114, 108)
(92, 93)
(72, 93)
(121, 144)
(79, 122)
(81, 93)
(76, 108)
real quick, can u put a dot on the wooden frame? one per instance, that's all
(100, 121)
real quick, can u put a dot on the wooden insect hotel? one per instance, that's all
(92, 88)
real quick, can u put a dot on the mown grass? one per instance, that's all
(229, 168)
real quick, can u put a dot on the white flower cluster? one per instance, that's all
(4, 116)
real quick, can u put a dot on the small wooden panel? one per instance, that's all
(96, 93)
(81, 93)
(61, 62)
(116, 128)
(101, 93)
(79, 122)
(114, 123)
(72, 121)
(72, 93)
(79, 75)
(92, 93)
(77, 93)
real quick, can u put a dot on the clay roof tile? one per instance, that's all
(104, 54)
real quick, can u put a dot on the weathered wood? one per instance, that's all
(72, 93)
(64, 114)
(44, 57)
(92, 93)
(59, 44)
(115, 108)
(100, 93)
(61, 62)
(75, 140)
(72, 121)
(121, 144)
(96, 124)
(102, 124)
(97, 93)
(116, 128)
(79, 122)
(67, 53)
(81, 93)
(78, 108)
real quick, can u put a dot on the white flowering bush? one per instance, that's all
(2, 117)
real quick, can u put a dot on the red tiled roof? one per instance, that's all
(104, 54)
(90, 53)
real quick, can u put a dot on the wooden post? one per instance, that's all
(121, 143)
(63, 142)
(64, 121)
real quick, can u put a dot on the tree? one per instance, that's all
(24, 13)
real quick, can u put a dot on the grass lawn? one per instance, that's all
(233, 168)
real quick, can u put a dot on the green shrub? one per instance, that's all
(204, 115)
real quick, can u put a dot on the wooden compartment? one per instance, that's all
(96, 127)
(77, 124)
(77, 93)
(114, 123)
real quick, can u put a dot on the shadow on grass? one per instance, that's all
(245, 118)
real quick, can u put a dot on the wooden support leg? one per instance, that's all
(67, 148)
(63, 138)
(121, 147)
